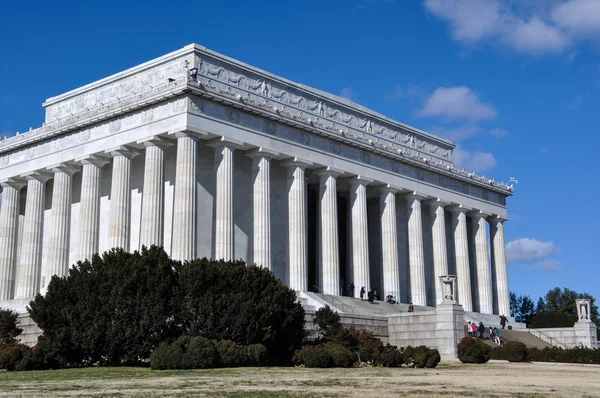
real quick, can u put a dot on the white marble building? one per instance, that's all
(208, 156)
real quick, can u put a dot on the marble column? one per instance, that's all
(499, 270)
(297, 213)
(415, 250)
(461, 249)
(224, 227)
(440, 251)
(389, 241)
(261, 204)
(184, 202)
(482, 260)
(152, 218)
(89, 206)
(329, 261)
(29, 271)
(9, 224)
(120, 197)
(59, 240)
(359, 232)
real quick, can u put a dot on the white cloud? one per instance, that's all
(534, 27)
(527, 249)
(477, 161)
(457, 103)
(499, 133)
(348, 93)
(548, 265)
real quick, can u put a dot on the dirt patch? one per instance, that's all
(489, 380)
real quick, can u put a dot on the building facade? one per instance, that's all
(210, 157)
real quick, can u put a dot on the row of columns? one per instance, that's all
(27, 273)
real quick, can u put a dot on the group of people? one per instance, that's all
(371, 294)
(476, 331)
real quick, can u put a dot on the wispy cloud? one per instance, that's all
(529, 249)
(499, 133)
(544, 27)
(349, 93)
(457, 103)
(478, 161)
(577, 101)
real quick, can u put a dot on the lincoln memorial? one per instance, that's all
(210, 157)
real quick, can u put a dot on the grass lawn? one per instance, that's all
(489, 380)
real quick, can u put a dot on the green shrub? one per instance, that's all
(472, 350)
(313, 357)
(200, 353)
(11, 355)
(515, 351)
(497, 353)
(328, 321)
(235, 355)
(341, 356)
(9, 331)
(555, 354)
(420, 357)
(390, 357)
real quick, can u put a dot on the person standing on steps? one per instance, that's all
(503, 321)
(411, 308)
(481, 329)
(362, 293)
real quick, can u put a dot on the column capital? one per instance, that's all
(497, 219)
(390, 188)
(66, 168)
(225, 142)
(329, 172)
(122, 150)
(41, 176)
(359, 180)
(155, 140)
(479, 214)
(13, 182)
(437, 202)
(456, 209)
(416, 195)
(188, 132)
(95, 160)
(296, 162)
(261, 153)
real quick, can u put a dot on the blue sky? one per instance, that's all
(515, 84)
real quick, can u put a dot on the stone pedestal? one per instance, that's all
(449, 329)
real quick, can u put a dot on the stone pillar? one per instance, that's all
(440, 252)
(360, 233)
(461, 249)
(60, 235)
(120, 197)
(29, 271)
(224, 227)
(89, 207)
(184, 203)
(415, 250)
(329, 261)
(261, 203)
(499, 269)
(152, 218)
(297, 248)
(389, 241)
(9, 225)
(482, 260)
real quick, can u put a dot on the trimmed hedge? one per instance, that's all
(572, 355)
(515, 351)
(472, 350)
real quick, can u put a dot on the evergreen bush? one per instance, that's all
(9, 329)
(341, 357)
(515, 351)
(472, 350)
(313, 357)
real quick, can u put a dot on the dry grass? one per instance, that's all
(448, 380)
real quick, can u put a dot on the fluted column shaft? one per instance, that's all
(499, 270)
(415, 251)
(224, 228)
(152, 219)
(440, 252)
(29, 271)
(360, 234)
(329, 264)
(389, 242)
(60, 234)
(120, 201)
(482, 264)
(184, 204)
(9, 224)
(261, 204)
(461, 249)
(89, 207)
(297, 248)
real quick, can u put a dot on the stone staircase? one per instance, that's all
(515, 335)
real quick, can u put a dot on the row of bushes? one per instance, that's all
(21, 357)
(572, 355)
(201, 353)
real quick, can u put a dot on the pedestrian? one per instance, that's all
(370, 296)
(351, 289)
(411, 307)
(362, 293)
(481, 329)
(342, 285)
(503, 321)
(469, 328)
(497, 336)
(492, 335)
(474, 326)
(375, 296)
